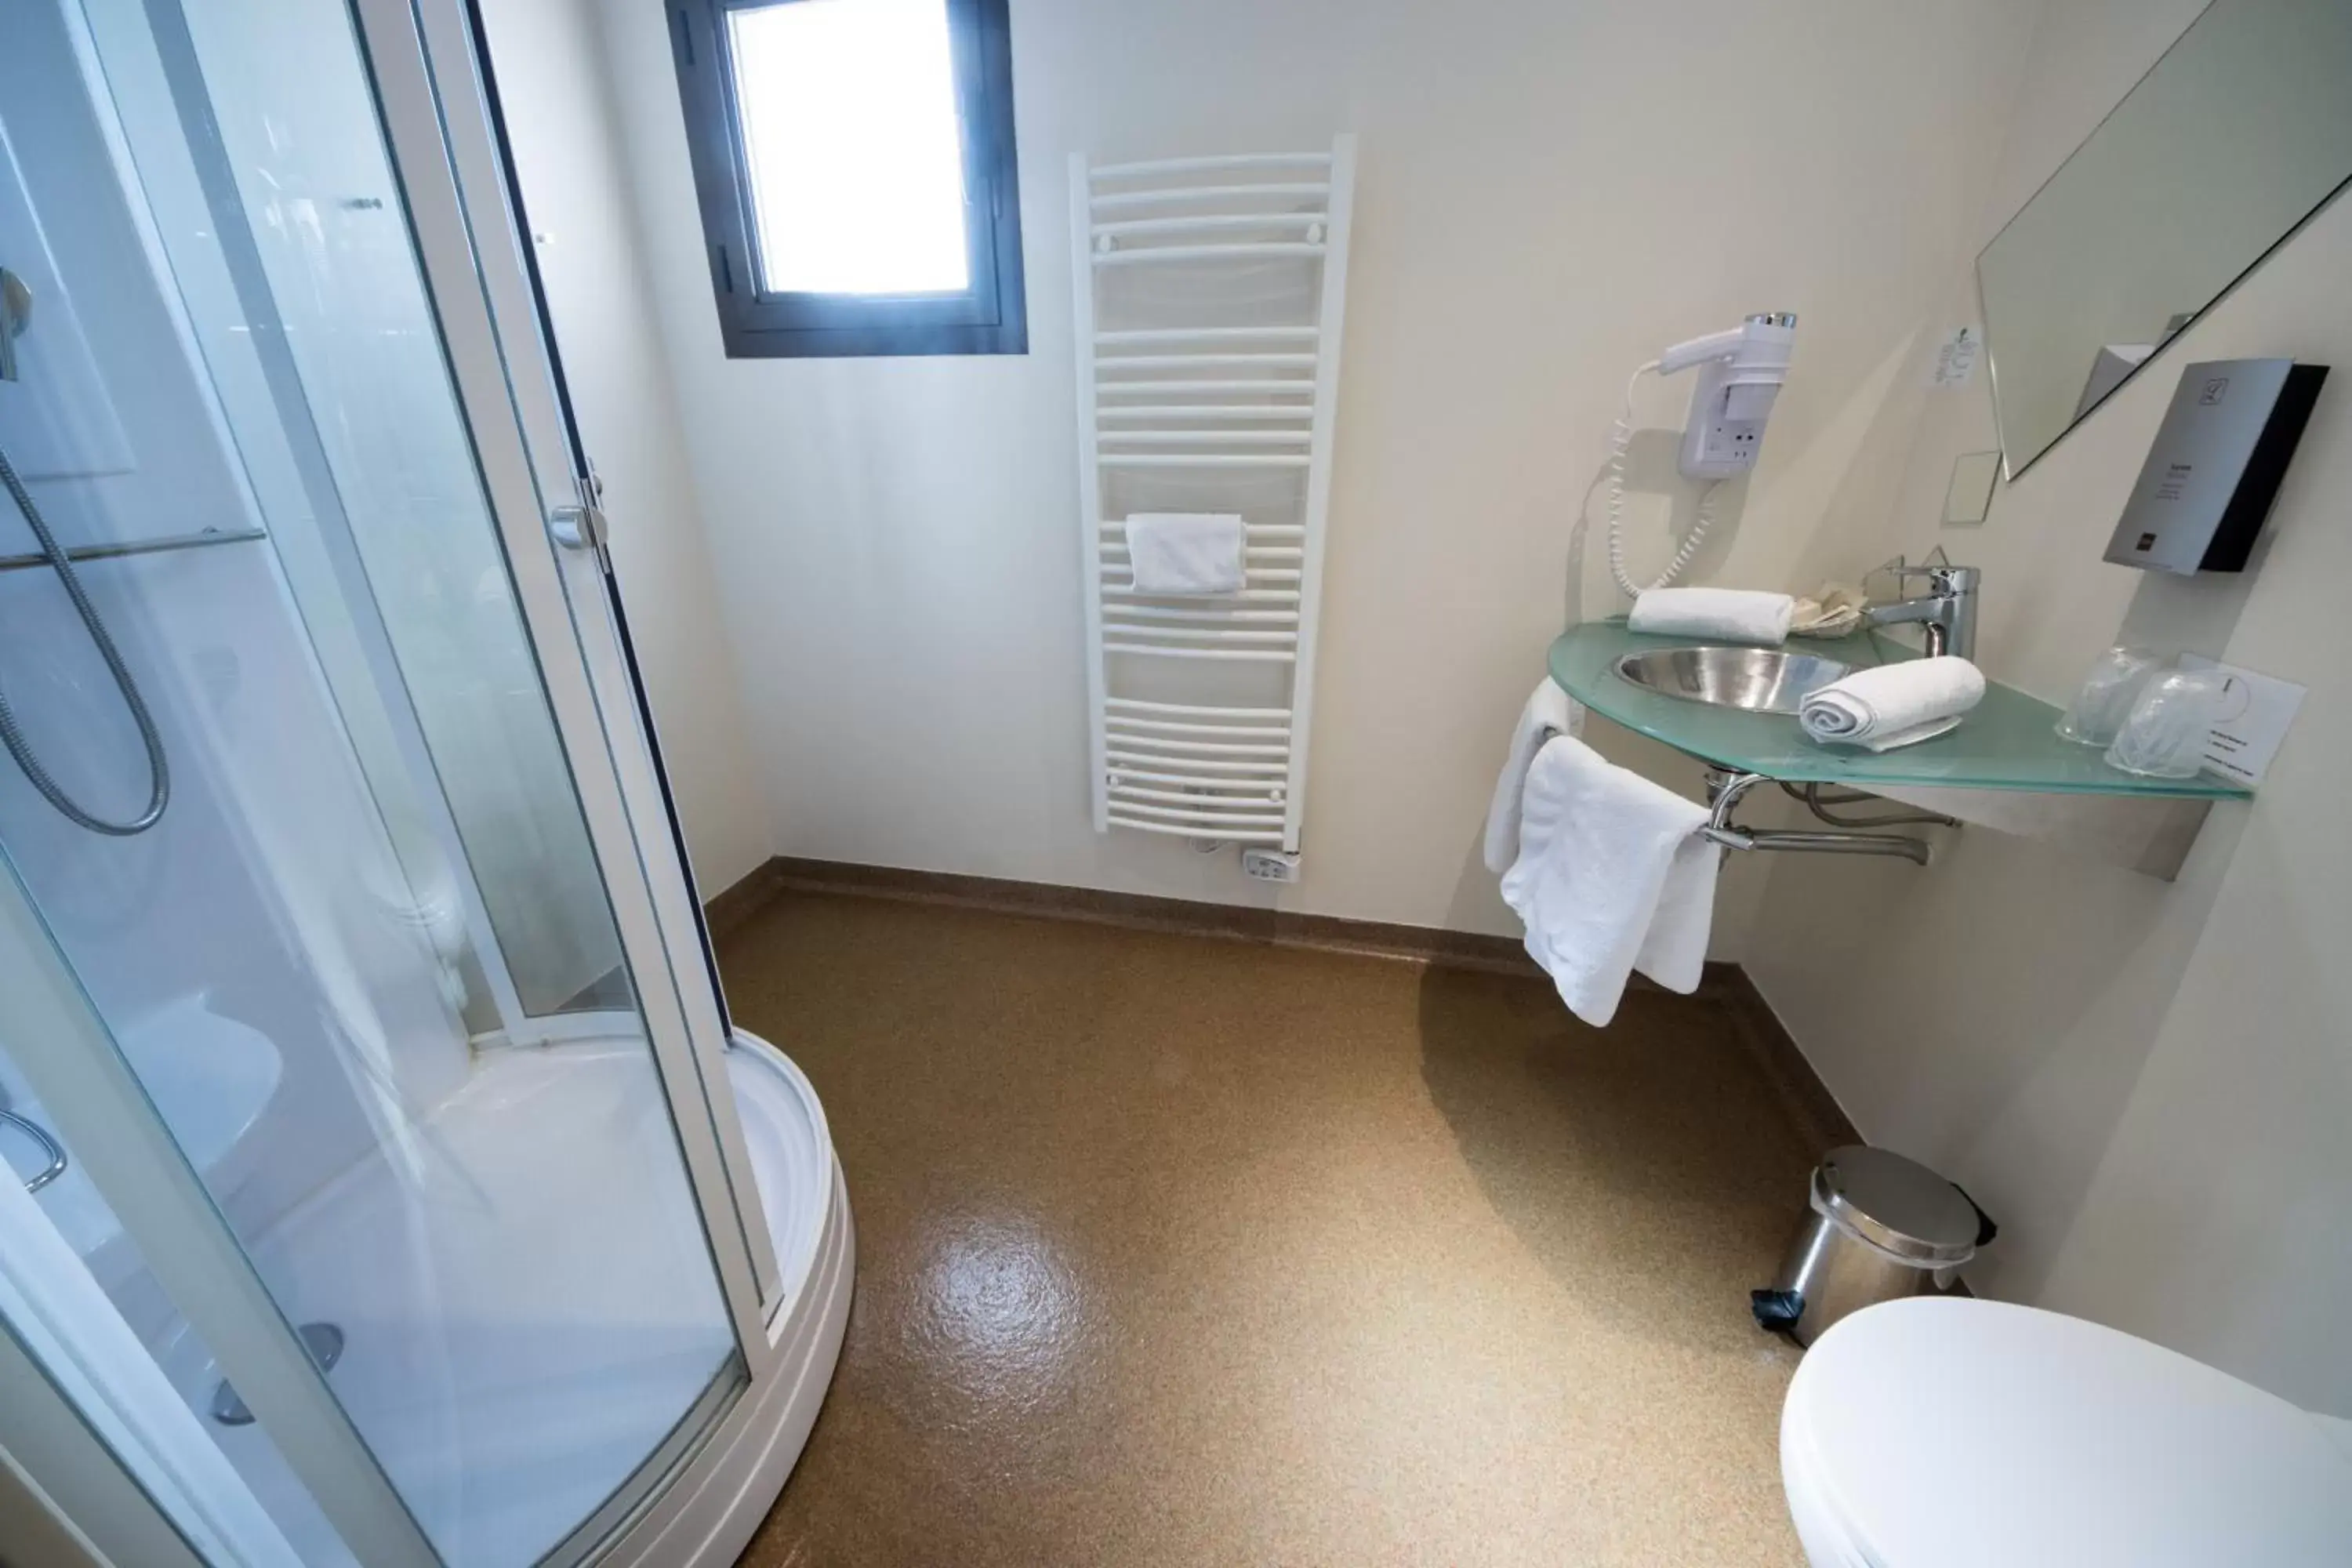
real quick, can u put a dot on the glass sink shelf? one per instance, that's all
(2006, 742)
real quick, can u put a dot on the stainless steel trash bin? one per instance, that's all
(1880, 1227)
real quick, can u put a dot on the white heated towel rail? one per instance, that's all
(1209, 295)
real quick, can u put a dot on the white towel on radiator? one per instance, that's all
(1548, 712)
(1612, 876)
(1728, 615)
(1186, 552)
(1894, 704)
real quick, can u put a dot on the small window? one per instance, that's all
(855, 168)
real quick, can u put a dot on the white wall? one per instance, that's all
(2148, 1084)
(559, 119)
(1549, 194)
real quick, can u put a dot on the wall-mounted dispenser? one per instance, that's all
(2215, 468)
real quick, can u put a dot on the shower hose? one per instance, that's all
(159, 771)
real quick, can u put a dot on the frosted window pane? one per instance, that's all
(856, 163)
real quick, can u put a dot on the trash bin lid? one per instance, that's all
(1896, 1204)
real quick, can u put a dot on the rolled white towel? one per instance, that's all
(1731, 614)
(1894, 704)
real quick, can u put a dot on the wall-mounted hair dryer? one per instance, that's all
(1740, 374)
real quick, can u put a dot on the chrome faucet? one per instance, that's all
(1949, 608)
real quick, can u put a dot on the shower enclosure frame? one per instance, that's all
(699, 1496)
(90, 1513)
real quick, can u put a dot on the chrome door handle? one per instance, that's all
(49, 1146)
(15, 314)
(579, 524)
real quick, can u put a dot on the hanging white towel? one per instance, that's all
(1894, 704)
(1185, 552)
(1728, 615)
(1548, 712)
(1612, 876)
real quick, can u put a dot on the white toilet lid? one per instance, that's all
(1946, 1431)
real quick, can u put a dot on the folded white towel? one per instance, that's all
(1731, 614)
(1549, 711)
(1185, 552)
(1894, 704)
(1612, 876)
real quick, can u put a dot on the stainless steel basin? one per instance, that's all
(1756, 680)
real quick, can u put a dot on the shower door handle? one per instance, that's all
(580, 524)
(15, 314)
(51, 1147)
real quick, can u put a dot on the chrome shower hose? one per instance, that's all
(159, 772)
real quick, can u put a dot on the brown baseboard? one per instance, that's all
(1800, 1088)
(728, 912)
(1725, 984)
(1137, 912)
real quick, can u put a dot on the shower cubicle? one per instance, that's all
(380, 1181)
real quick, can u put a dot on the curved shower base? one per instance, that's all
(716, 1503)
(710, 1509)
(602, 1357)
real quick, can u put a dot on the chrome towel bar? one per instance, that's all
(1725, 788)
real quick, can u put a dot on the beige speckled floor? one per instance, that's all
(1181, 1251)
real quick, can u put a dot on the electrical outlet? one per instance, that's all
(1270, 865)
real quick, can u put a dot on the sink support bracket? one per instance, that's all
(1725, 789)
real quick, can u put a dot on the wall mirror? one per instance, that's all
(2241, 131)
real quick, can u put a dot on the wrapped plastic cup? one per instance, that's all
(2165, 733)
(2113, 684)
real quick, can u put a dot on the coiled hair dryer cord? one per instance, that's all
(1621, 436)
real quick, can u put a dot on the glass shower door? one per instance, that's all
(367, 1119)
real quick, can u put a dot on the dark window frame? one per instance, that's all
(990, 318)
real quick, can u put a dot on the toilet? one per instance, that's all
(1942, 1431)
